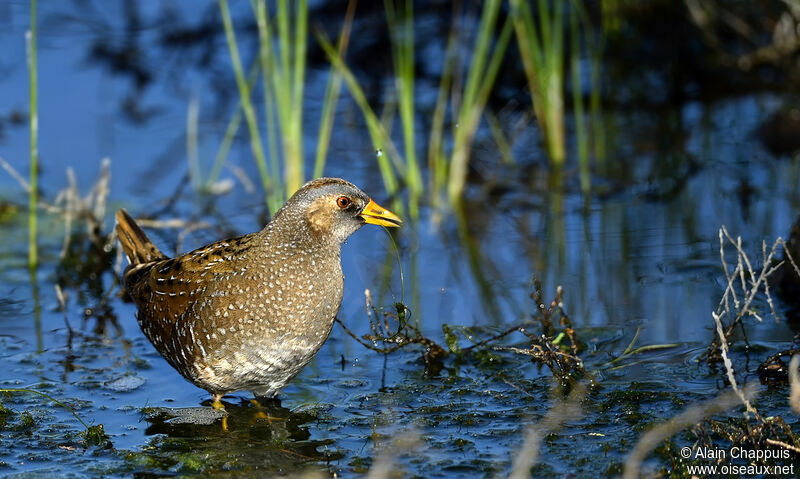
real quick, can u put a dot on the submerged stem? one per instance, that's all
(46, 396)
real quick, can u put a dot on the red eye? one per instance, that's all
(343, 202)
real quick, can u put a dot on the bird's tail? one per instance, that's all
(136, 244)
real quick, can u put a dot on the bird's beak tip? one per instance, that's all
(375, 214)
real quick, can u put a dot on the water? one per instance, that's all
(642, 253)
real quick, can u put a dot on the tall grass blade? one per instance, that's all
(499, 138)
(332, 89)
(380, 138)
(283, 67)
(294, 160)
(273, 203)
(542, 52)
(224, 146)
(230, 134)
(400, 18)
(271, 75)
(33, 197)
(480, 80)
(581, 136)
(437, 159)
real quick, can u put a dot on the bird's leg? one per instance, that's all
(216, 403)
(260, 414)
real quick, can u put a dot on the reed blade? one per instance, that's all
(33, 197)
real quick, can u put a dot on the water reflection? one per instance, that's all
(639, 252)
(267, 438)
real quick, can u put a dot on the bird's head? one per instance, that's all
(331, 209)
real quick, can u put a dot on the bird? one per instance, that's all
(248, 313)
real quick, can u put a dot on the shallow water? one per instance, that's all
(642, 253)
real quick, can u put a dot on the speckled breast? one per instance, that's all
(256, 327)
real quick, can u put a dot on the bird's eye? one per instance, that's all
(343, 202)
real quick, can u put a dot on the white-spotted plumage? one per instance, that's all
(248, 313)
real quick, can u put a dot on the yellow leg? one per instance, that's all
(217, 404)
(261, 414)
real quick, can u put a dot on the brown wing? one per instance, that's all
(165, 291)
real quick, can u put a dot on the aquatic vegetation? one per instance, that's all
(567, 368)
(630, 351)
(470, 377)
(480, 77)
(556, 346)
(462, 96)
(281, 62)
(447, 167)
(332, 89)
(545, 59)
(272, 196)
(541, 47)
(687, 418)
(744, 285)
(380, 137)
(400, 18)
(92, 436)
(561, 412)
(33, 122)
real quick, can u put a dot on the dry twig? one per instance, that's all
(744, 284)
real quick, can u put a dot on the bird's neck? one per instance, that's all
(293, 232)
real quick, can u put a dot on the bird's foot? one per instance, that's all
(216, 403)
(260, 414)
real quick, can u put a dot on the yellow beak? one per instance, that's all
(375, 214)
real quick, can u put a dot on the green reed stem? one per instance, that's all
(283, 66)
(378, 135)
(225, 146)
(480, 79)
(294, 160)
(332, 89)
(33, 197)
(402, 40)
(271, 77)
(437, 160)
(581, 136)
(542, 52)
(244, 95)
(230, 133)
(289, 89)
(631, 351)
(499, 138)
